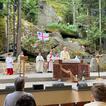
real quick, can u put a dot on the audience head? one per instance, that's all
(99, 92)
(19, 83)
(9, 54)
(26, 100)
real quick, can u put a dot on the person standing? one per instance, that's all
(64, 55)
(50, 59)
(57, 57)
(11, 99)
(98, 95)
(93, 64)
(39, 63)
(9, 64)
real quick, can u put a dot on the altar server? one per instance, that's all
(9, 64)
(50, 59)
(64, 55)
(39, 63)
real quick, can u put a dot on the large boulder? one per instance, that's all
(46, 14)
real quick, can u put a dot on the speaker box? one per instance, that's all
(38, 86)
(59, 86)
(10, 88)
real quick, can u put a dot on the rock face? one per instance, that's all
(55, 42)
(46, 14)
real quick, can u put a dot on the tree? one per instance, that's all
(18, 39)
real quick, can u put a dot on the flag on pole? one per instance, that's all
(43, 36)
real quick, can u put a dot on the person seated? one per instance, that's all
(98, 95)
(25, 100)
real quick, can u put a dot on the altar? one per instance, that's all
(79, 69)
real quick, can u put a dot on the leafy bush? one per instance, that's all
(62, 28)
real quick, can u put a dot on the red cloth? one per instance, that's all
(9, 71)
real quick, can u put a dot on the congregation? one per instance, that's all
(21, 98)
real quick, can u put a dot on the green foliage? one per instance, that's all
(82, 41)
(60, 6)
(68, 29)
(30, 10)
(84, 11)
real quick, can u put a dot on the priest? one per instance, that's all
(39, 63)
(64, 55)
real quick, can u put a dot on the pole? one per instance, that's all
(8, 17)
(100, 16)
(14, 28)
(18, 39)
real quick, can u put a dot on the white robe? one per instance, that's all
(39, 63)
(93, 65)
(50, 60)
(64, 55)
(9, 62)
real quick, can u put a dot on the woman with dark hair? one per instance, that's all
(26, 100)
(98, 94)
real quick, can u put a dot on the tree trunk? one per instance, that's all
(7, 27)
(18, 40)
(74, 12)
(14, 28)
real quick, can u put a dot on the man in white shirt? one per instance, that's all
(39, 63)
(98, 94)
(12, 98)
(9, 64)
